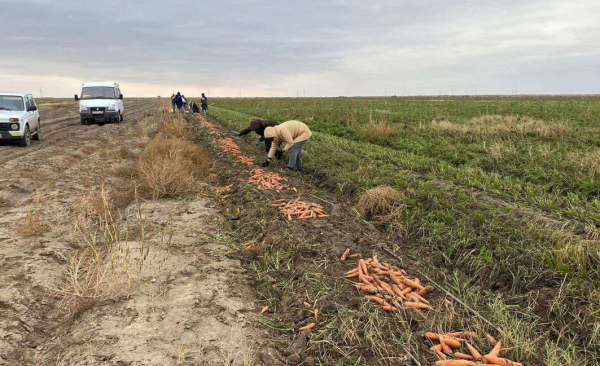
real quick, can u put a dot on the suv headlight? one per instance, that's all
(14, 126)
(111, 108)
(83, 108)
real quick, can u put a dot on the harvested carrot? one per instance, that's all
(306, 304)
(351, 275)
(500, 361)
(417, 305)
(445, 347)
(438, 350)
(355, 255)
(491, 339)
(307, 327)
(462, 356)
(413, 284)
(476, 355)
(265, 310)
(452, 342)
(316, 313)
(388, 308)
(376, 299)
(345, 255)
(495, 352)
(454, 363)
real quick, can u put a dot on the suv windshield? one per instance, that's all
(11, 103)
(98, 92)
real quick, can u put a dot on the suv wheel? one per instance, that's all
(26, 139)
(38, 133)
(121, 118)
(84, 121)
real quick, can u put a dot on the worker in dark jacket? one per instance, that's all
(258, 126)
(178, 101)
(204, 104)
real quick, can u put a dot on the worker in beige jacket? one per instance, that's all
(293, 135)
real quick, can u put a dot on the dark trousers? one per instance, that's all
(268, 144)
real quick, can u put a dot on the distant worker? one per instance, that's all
(194, 107)
(293, 134)
(204, 104)
(173, 102)
(184, 102)
(258, 126)
(178, 101)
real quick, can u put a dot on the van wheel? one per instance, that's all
(26, 139)
(38, 133)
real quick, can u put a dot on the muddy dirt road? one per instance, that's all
(189, 305)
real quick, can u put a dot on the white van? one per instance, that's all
(100, 102)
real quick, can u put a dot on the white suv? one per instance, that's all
(19, 118)
(100, 102)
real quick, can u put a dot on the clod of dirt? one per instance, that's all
(298, 346)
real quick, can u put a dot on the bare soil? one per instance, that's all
(192, 304)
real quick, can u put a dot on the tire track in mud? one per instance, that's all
(67, 127)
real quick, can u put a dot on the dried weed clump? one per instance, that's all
(378, 132)
(496, 124)
(380, 201)
(32, 225)
(171, 167)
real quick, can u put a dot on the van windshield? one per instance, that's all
(11, 103)
(98, 92)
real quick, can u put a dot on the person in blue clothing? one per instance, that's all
(178, 101)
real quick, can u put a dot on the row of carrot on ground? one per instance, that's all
(385, 286)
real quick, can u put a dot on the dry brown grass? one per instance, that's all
(377, 132)
(32, 225)
(380, 201)
(495, 124)
(174, 128)
(170, 167)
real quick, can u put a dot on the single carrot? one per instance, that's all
(412, 284)
(363, 265)
(491, 339)
(445, 347)
(395, 279)
(476, 355)
(432, 336)
(452, 342)
(462, 356)
(495, 352)
(438, 350)
(375, 299)
(355, 270)
(500, 361)
(307, 327)
(265, 310)
(389, 308)
(307, 305)
(398, 292)
(417, 305)
(352, 275)
(454, 363)
(351, 256)
(316, 313)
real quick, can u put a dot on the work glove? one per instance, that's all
(258, 142)
(266, 163)
(279, 154)
(235, 134)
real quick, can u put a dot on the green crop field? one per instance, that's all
(502, 191)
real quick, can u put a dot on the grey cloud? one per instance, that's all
(332, 47)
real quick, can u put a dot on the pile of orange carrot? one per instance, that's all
(221, 190)
(449, 345)
(389, 287)
(245, 160)
(300, 209)
(212, 130)
(228, 146)
(266, 180)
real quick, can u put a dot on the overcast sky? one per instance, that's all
(279, 48)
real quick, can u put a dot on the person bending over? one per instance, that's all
(258, 126)
(293, 134)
